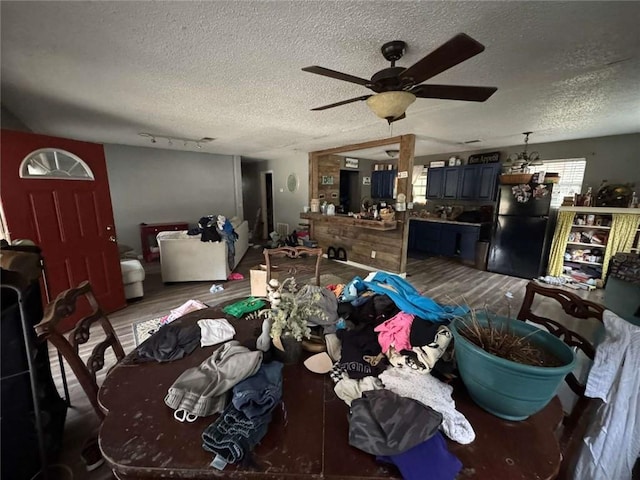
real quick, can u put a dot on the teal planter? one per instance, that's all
(508, 389)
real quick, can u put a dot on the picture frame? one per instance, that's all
(350, 162)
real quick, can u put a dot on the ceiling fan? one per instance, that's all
(397, 87)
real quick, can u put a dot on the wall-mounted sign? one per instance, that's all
(366, 180)
(403, 174)
(350, 162)
(438, 164)
(489, 157)
(327, 180)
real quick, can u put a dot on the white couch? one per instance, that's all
(184, 258)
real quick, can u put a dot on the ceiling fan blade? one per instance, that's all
(344, 102)
(453, 92)
(457, 50)
(337, 75)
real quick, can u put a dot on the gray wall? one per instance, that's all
(153, 185)
(9, 121)
(615, 158)
(288, 205)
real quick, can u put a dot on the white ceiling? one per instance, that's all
(105, 71)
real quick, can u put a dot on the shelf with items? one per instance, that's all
(597, 227)
(582, 244)
(587, 244)
(583, 262)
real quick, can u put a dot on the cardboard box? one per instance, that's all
(258, 276)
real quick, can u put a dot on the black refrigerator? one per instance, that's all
(522, 231)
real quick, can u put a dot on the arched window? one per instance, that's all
(54, 163)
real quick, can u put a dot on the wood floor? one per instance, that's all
(444, 280)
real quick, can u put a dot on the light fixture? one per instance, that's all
(176, 140)
(390, 105)
(525, 159)
(392, 153)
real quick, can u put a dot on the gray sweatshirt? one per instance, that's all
(201, 390)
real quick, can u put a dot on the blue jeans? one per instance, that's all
(259, 394)
(233, 435)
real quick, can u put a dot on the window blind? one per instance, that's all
(419, 193)
(571, 173)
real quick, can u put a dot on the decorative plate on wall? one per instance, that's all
(292, 182)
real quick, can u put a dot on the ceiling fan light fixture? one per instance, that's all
(390, 105)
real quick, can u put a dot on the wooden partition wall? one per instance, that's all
(361, 238)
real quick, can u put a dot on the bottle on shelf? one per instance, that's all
(633, 203)
(587, 198)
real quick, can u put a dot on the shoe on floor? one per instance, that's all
(91, 455)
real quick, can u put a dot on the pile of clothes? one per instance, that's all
(216, 228)
(390, 347)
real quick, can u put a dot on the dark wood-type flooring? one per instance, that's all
(444, 280)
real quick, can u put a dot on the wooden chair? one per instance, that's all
(295, 260)
(64, 306)
(575, 424)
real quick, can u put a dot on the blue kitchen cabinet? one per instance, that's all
(444, 239)
(467, 182)
(435, 176)
(448, 240)
(426, 236)
(383, 183)
(487, 178)
(469, 185)
(468, 237)
(450, 182)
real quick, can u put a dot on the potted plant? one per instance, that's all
(511, 369)
(288, 314)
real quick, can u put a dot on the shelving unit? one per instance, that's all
(590, 222)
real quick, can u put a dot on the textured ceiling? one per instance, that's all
(105, 71)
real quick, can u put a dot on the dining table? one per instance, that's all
(308, 436)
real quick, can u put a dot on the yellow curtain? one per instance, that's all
(559, 243)
(623, 230)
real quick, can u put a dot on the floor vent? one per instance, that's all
(282, 229)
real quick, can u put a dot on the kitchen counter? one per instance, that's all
(442, 220)
(347, 220)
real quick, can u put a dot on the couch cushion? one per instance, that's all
(180, 235)
(132, 271)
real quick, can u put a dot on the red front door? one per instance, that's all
(70, 219)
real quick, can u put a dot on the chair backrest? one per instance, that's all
(576, 423)
(65, 305)
(294, 260)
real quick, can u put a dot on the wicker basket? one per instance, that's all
(515, 178)
(388, 217)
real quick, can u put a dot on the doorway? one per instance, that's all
(349, 191)
(59, 198)
(266, 188)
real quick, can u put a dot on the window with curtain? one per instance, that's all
(571, 173)
(420, 188)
